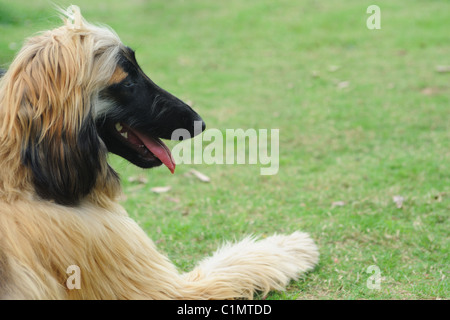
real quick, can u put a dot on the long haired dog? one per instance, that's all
(71, 95)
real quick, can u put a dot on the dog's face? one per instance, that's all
(133, 113)
(72, 91)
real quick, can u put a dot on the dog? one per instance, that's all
(70, 96)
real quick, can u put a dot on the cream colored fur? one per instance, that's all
(118, 261)
(40, 240)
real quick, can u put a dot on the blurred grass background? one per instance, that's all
(364, 116)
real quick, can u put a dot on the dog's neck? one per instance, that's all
(107, 189)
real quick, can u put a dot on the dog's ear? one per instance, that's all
(60, 144)
(64, 167)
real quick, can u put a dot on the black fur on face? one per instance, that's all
(65, 171)
(133, 107)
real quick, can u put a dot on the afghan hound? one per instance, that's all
(70, 96)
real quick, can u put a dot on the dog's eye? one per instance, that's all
(128, 84)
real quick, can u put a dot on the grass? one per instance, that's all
(363, 116)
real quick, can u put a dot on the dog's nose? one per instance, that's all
(203, 125)
(199, 126)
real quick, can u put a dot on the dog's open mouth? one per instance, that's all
(149, 148)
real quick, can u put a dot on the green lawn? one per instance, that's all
(363, 115)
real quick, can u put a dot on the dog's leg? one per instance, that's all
(238, 270)
(234, 271)
(117, 260)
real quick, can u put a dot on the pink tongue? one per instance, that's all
(159, 149)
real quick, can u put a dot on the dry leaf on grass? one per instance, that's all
(343, 84)
(398, 200)
(333, 68)
(338, 204)
(315, 74)
(442, 69)
(185, 212)
(171, 199)
(200, 176)
(429, 91)
(160, 189)
(439, 196)
(139, 179)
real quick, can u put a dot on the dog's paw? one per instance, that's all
(255, 265)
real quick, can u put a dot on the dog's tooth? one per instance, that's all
(118, 126)
(124, 134)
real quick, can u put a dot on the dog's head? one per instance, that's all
(76, 92)
(133, 114)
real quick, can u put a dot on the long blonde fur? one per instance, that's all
(49, 90)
